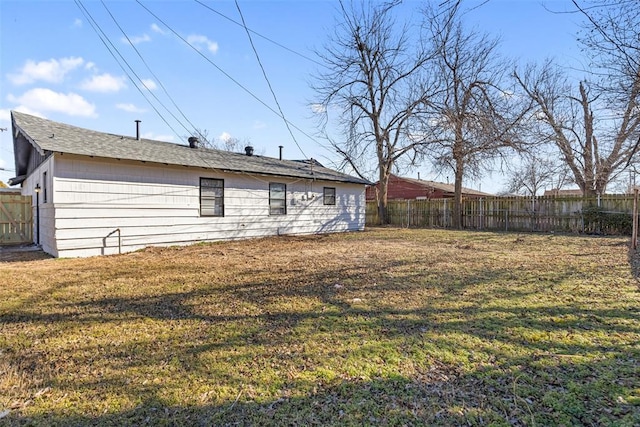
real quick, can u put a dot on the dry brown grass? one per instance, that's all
(383, 327)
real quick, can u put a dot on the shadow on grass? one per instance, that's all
(516, 364)
(634, 264)
(22, 253)
(437, 396)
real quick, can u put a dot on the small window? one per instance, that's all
(211, 197)
(329, 196)
(277, 199)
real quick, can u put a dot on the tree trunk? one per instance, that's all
(383, 187)
(457, 197)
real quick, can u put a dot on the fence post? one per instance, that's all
(445, 216)
(634, 221)
(533, 213)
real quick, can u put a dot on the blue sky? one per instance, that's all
(53, 64)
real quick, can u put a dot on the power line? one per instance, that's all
(104, 39)
(149, 69)
(258, 34)
(90, 18)
(106, 42)
(224, 72)
(264, 73)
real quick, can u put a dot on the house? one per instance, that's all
(101, 193)
(400, 188)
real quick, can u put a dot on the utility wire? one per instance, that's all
(198, 152)
(149, 69)
(264, 73)
(104, 39)
(258, 34)
(224, 72)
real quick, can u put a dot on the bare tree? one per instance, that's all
(535, 173)
(595, 123)
(373, 83)
(597, 148)
(474, 118)
(611, 39)
(232, 144)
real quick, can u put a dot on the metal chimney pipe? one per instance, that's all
(280, 147)
(418, 176)
(138, 129)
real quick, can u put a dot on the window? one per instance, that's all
(44, 187)
(277, 199)
(329, 196)
(211, 197)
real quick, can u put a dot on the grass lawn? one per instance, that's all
(384, 327)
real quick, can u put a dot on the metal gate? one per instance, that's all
(16, 219)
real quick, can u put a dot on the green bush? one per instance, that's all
(599, 221)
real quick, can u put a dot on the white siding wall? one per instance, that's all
(46, 217)
(160, 205)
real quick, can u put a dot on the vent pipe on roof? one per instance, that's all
(193, 142)
(280, 147)
(248, 150)
(418, 176)
(138, 129)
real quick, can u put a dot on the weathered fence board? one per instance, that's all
(16, 224)
(609, 214)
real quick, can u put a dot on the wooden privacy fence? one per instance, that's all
(15, 219)
(609, 214)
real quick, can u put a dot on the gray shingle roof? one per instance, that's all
(52, 136)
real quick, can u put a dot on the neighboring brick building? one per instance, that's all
(410, 188)
(563, 193)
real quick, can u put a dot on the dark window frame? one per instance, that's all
(213, 207)
(279, 208)
(329, 199)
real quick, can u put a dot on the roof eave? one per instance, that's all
(17, 180)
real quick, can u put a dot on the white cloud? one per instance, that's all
(157, 137)
(136, 39)
(318, 108)
(104, 83)
(225, 136)
(52, 71)
(90, 66)
(77, 23)
(41, 99)
(156, 29)
(130, 108)
(5, 115)
(200, 41)
(149, 84)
